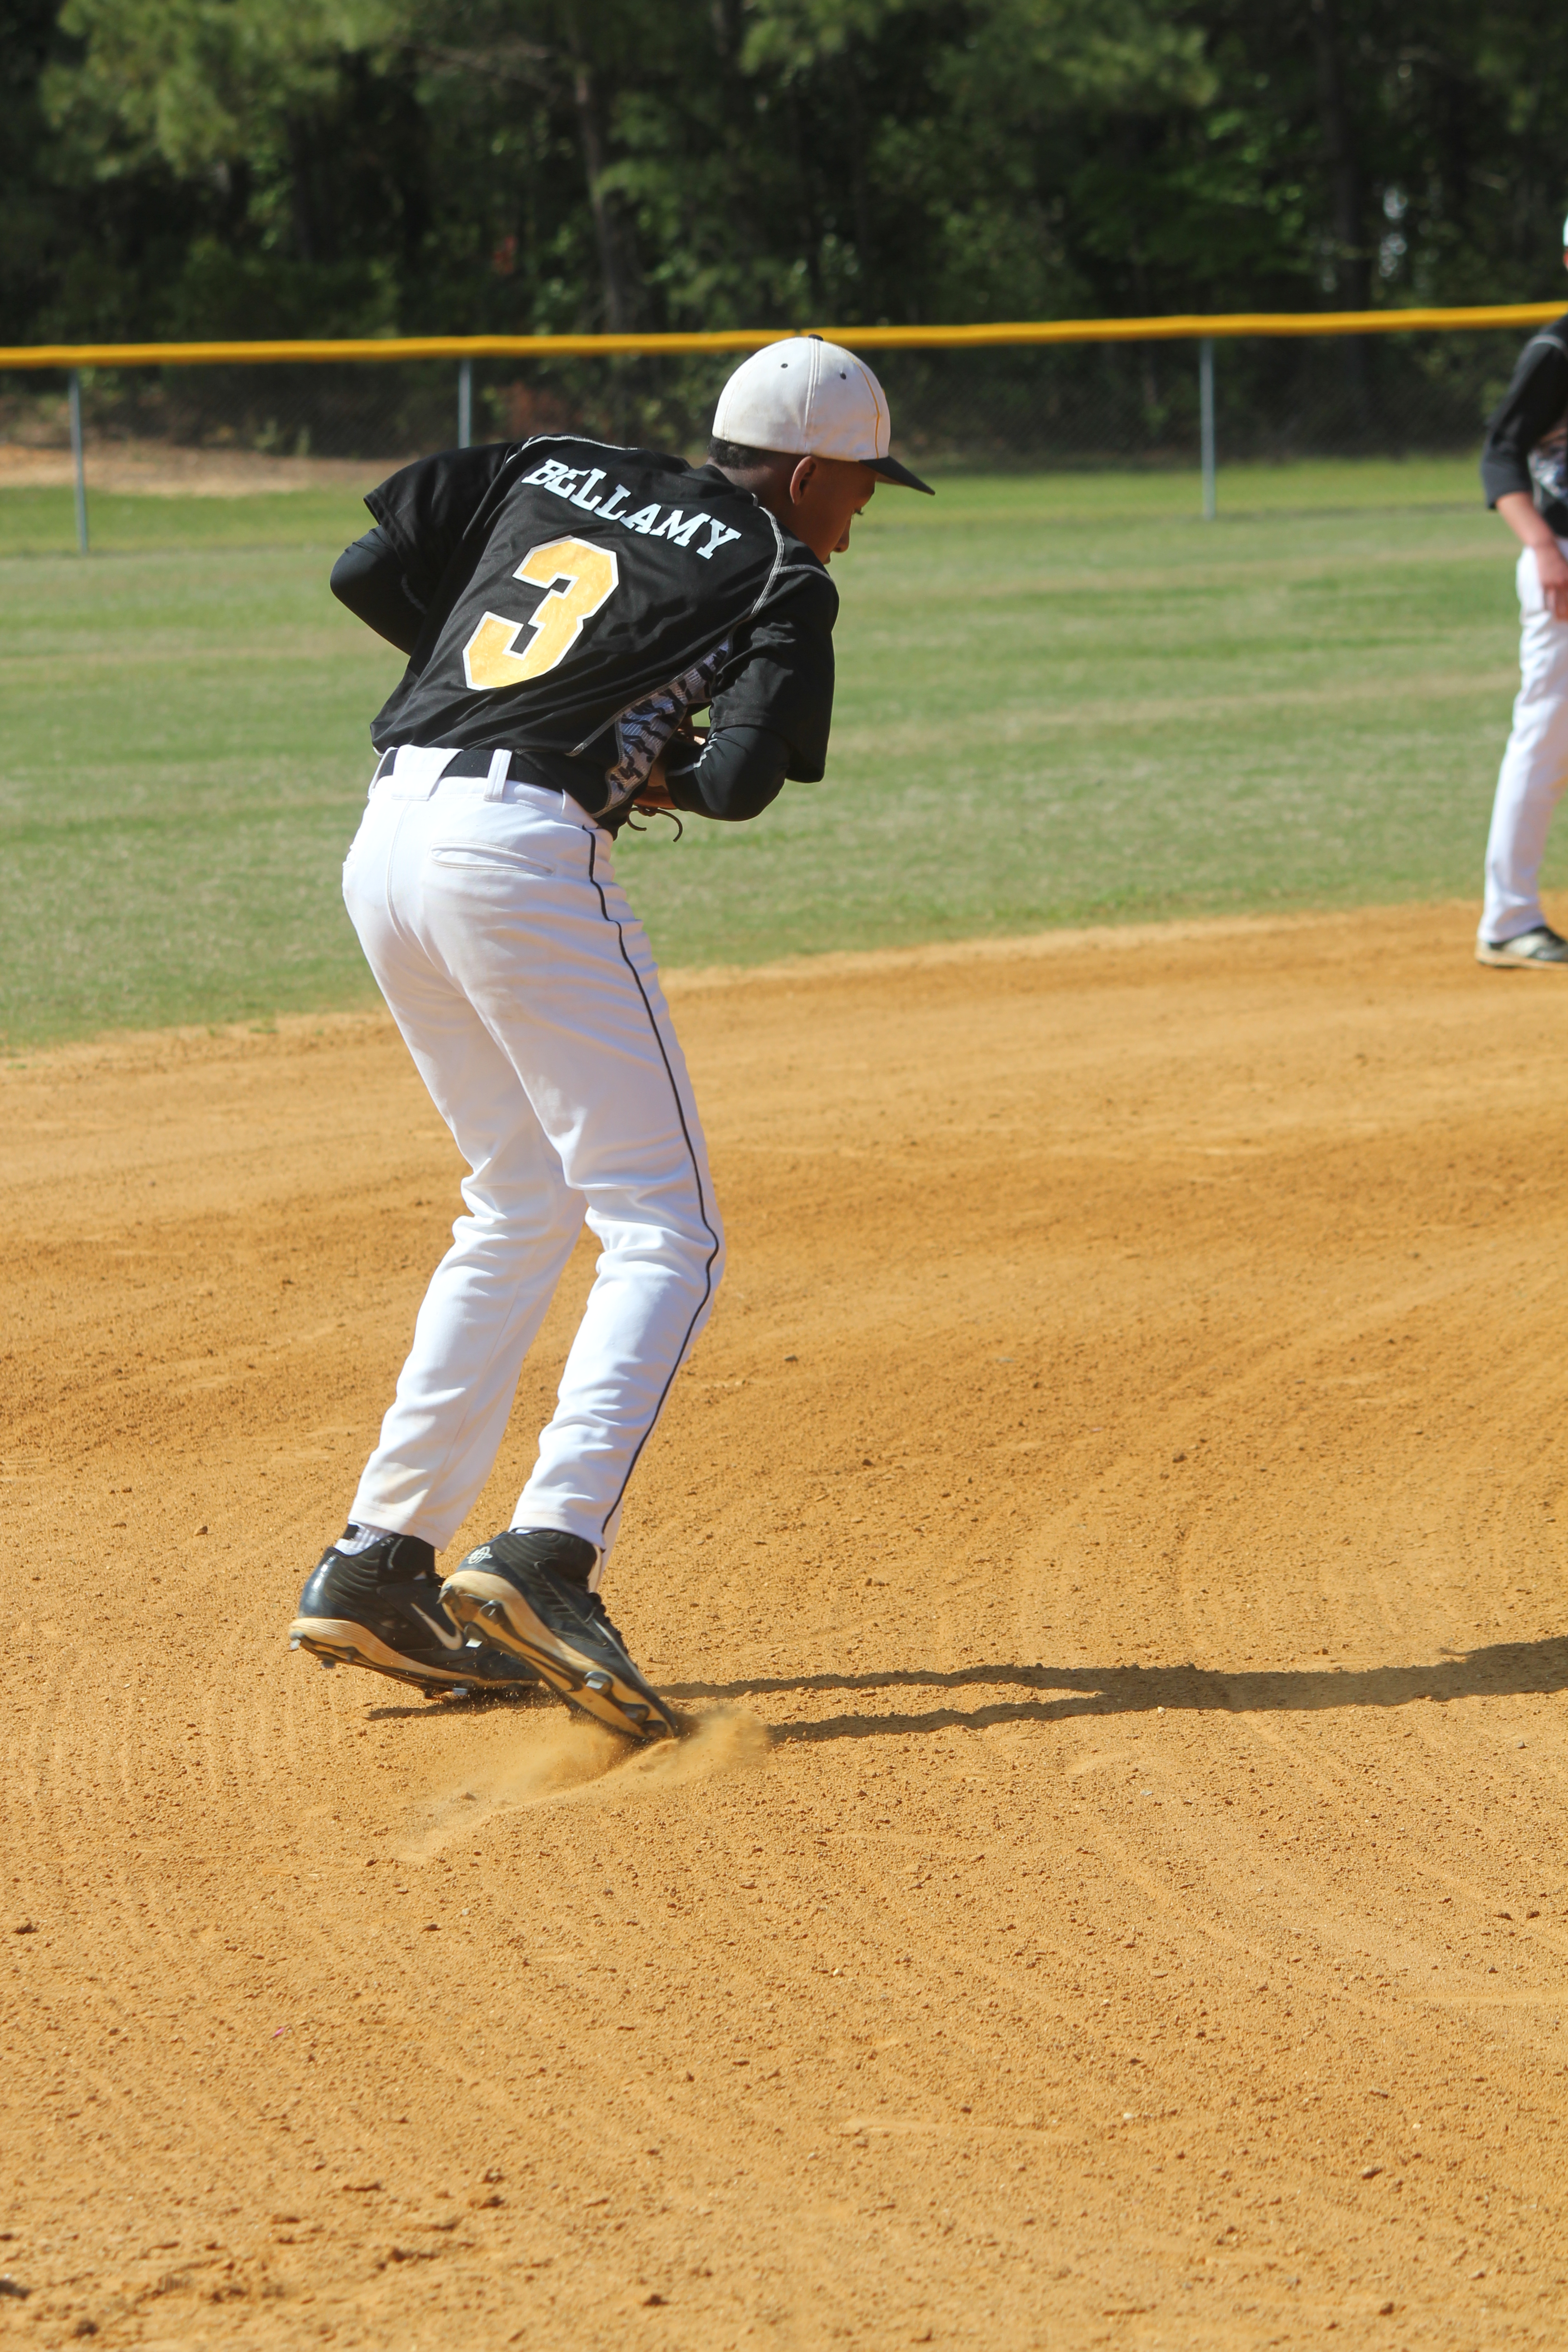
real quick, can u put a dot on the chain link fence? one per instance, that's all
(1043, 407)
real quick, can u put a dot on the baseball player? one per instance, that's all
(565, 606)
(1524, 469)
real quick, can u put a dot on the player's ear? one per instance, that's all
(800, 481)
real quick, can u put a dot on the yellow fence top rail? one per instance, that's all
(746, 339)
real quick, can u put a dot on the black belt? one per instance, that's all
(467, 763)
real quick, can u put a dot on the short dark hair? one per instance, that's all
(738, 459)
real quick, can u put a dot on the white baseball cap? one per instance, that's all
(811, 399)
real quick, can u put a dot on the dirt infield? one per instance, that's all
(1116, 1893)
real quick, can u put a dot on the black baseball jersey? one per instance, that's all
(1527, 440)
(581, 600)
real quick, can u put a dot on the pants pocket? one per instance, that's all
(473, 858)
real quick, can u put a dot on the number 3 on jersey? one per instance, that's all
(578, 579)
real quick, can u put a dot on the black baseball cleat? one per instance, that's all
(381, 1608)
(528, 1591)
(1540, 949)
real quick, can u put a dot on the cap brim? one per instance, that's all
(891, 471)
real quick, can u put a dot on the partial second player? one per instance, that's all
(565, 607)
(1524, 471)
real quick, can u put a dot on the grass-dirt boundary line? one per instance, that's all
(202, 1041)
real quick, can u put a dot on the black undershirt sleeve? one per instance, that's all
(370, 579)
(1532, 405)
(778, 677)
(732, 776)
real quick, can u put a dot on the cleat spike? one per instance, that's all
(600, 1683)
(328, 1664)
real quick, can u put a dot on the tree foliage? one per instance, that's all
(269, 166)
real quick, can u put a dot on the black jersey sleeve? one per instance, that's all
(778, 675)
(1534, 405)
(425, 509)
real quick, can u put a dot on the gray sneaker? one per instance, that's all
(1540, 946)
(526, 1590)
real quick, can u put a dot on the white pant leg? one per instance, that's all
(489, 1295)
(528, 996)
(1534, 769)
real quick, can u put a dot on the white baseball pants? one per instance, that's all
(525, 990)
(1534, 769)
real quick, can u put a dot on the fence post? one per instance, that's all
(1206, 420)
(77, 461)
(465, 404)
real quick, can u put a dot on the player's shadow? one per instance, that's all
(481, 1702)
(1504, 1669)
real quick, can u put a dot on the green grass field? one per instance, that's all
(1062, 699)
